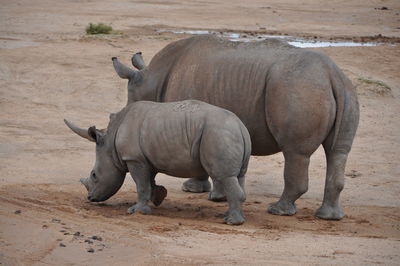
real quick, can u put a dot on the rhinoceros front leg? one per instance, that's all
(143, 177)
(296, 183)
(201, 184)
(197, 185)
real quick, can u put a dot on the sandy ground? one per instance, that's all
(49, 70)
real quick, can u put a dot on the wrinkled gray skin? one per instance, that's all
(291, 100)
(183, 139)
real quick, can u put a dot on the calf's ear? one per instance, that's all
(96, 134)
(122, 70)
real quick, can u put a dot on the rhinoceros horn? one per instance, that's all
(137, 61)
(84, 133)
(122, 70)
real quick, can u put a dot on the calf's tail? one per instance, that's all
(246, 150)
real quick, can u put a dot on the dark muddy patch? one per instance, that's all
(186, 211)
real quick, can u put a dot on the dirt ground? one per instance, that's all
(50, 70)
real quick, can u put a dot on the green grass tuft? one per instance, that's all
(374, 82)
(100, 28)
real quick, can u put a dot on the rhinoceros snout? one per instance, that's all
(84, 182)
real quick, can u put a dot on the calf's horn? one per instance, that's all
(80, 131)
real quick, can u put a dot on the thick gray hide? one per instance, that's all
(183, 139)
(291, 100)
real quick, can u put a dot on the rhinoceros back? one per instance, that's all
(173, 136)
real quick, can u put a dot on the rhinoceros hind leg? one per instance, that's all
(234, 218)
(158, 194)
(197, 185)
(329, 213)
(217, 194)
(282, 208)
(334, 183)
(296, 184)
(235, 196)
(139, 208)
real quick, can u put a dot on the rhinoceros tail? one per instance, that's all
(246, 150)
(339, 86)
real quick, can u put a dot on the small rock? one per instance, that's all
(18, 212)
(54, 220)
(62, 245)
(44, 226)
(97, 238)
(353, 174)
(381, 8)
(77, 233)
(88, 241)
(91, 250)
(66, 233)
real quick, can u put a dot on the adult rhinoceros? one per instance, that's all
(291, 100)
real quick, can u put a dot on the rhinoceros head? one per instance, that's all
(106, 178)
(135, 78)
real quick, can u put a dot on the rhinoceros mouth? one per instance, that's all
(92, 199)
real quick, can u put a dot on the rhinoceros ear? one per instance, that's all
(137, 61)
(96, 134)
(112, 116)
(122, 70)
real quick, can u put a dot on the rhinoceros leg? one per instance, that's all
(336, 158)
(296, 183)
(158, 194)
(235, 196)
(334, 183)
(197, 185)
(142, 177)
(217, 194)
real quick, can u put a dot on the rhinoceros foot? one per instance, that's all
(234, 217)
(158, 194)
(329, 213)
(215, 196)
(139, 208)
(282, 208)
(196, 185)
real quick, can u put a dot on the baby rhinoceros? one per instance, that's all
(183, 139)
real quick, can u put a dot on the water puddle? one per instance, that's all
(7, 42)
(298, 42)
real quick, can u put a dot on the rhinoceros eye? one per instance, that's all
(93, 176)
